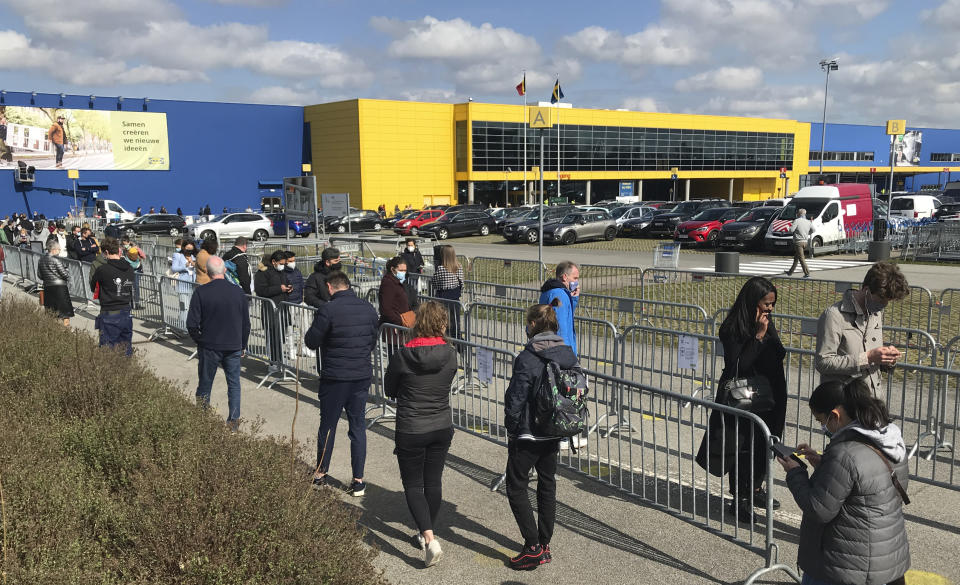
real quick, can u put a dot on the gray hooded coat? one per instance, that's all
(853, 530)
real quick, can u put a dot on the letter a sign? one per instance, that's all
(540, 118)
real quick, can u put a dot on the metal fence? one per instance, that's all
(932, 242)
(505, 271)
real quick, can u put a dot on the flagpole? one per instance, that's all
(523, 121)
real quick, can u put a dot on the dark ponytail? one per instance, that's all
(856, 399)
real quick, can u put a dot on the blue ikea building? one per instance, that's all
(230, 155)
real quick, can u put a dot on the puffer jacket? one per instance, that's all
(345, 332)
(853, 529)
(419, 378)
(52, 271)
(528, 369)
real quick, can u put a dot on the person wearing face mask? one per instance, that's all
(751, 348)
(271, 282)
(73, 243)
(59, 235)
(315, 291)
(395, 306)
(88, 248)
(294, 277)
(565, 289)
(412, 256)
(850, 333)
(853, 529)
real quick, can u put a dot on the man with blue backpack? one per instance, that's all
(238, 269)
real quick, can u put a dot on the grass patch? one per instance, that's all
(110, 475)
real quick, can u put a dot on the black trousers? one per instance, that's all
(521, 457)
(421, 458)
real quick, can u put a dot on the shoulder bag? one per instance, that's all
(752, 393)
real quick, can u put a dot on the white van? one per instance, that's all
(914, 206)
(113, 211)
(836, 212)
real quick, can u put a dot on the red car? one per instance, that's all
(704, 227)
(410, 227)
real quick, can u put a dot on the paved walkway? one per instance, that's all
(602, 536)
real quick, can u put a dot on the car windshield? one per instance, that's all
(758, 214)
(447, 218)
(572, 218)
(710, 214)
(685, 207)
(813, 207)
(618, 212)
(219, 217)
(410, 215)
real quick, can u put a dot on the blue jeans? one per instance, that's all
(208, 362)
(335, 396)
(116, 329)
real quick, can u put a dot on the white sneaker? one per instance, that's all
(433, 552)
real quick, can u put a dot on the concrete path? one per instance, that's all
(603, 535)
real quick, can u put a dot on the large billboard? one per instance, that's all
(906, 148)
(57, 138)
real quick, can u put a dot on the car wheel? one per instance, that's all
(610, 234)
(712, 239)
(174, 232)
(484, 230)
(208, 234)
(816, 243)
(532, 236)
(442, 234)
(568, 238)
(260, 236)
(377, 227)
(341, 229)
(130, 233)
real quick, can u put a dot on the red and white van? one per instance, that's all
(837, 212)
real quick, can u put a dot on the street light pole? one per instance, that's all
(827, 65)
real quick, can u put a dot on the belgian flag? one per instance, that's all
(522, 86)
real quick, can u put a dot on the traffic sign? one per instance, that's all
(783, 170)
(75, 173)
(674, 176)
(783, 175)
(540, 118)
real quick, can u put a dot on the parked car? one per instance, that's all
(528, 230)
(748, 231)
(463, 223)
(704, 227)
(167, 224)
(411, 227)
(580, 226)
(355, 221)
(623, 214)
(747, 204)
(297, 227)
(914, 206)
(255, 226)
(511, 215)
(392, 221)
(637, 227)
(664, 224)
(948, 212)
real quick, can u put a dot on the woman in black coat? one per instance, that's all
(396, 296)
(751, 347)
(419, 378)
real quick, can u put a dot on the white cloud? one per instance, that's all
(453, 40)
(723, 79)
(946, 15)
(655, 45)
(258, 3)
(641, 104)
(284, 95)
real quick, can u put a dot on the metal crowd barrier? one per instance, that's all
(11, 255)
(948, 318)
(294, 321)
(147, 300)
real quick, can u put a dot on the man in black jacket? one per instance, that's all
(344, 330)
(315, 291)
(115, 281)
(87, 248)
(237, 255)
(219, 321)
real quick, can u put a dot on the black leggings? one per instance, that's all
(421, 458)
(521, 457)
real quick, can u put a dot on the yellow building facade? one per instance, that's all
(400, 153)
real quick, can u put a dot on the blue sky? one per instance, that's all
(727, 57)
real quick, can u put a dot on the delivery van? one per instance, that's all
(836, 211)
(914, 205)
(113, 211)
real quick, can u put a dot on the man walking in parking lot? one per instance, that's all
(563, 294)
(802, 228)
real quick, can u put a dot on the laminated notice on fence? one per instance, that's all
(687, 352)
(484, 365)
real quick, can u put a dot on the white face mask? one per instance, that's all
(291, 265)
(280, 267)
(411, 248)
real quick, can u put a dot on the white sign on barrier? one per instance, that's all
(484, 365)
(687, 352)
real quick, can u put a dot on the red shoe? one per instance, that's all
(530, 558)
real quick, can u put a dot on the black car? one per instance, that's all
(749, 230)
(154, 223)
(664, 224)
(948, 211)
(512, 215)
(356, 221)
(527, 230)
(462, 223)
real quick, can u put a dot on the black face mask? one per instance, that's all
(335, 266)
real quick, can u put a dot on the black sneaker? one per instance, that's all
(760, 500)
(319, 482)
(743, 510)
(546, 553)
(357, 488)
(530, 558)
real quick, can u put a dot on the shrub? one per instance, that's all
(111, 475)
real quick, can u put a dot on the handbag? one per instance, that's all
(408, 319)
(752, 393)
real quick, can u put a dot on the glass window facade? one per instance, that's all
(945, 157)
(841, 155)
(499, 145)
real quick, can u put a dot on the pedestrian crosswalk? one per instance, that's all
(780, 265)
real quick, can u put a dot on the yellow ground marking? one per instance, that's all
(925, 578)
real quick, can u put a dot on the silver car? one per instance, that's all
(579, 226)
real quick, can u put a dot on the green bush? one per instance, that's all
(111, 475)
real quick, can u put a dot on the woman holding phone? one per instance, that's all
(751, 347)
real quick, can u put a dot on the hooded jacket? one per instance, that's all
(315, 291)
(528, 369)
(555, 289)
(115, 278)
(268, 281)
(853, 529)
(419, 378)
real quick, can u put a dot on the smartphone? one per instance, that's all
(781, 450)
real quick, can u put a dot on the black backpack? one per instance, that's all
(560, 401)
